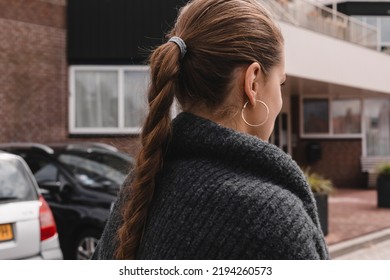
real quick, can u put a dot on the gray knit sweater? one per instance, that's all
(225, 195)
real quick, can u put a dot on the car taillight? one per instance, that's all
(48, 225)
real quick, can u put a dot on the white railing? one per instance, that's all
(324, 20)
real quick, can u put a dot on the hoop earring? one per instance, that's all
(255, 125)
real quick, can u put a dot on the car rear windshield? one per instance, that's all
(15, 182)
(94, 169)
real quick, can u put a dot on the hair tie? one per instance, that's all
(179, 41)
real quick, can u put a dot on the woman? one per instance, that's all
(207, 185)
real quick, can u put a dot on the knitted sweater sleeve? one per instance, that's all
(286, 231)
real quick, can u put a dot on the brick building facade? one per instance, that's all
(36, 59)
(34, 75)
(33, 71)
(339, 158)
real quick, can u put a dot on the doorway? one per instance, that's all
(281, 135)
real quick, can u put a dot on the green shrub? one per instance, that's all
(384, 169)
(318, 183)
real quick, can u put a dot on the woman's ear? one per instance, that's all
(252, 82)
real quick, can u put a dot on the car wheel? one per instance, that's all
(86, 244)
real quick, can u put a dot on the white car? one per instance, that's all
(27, 226)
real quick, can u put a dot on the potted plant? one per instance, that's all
(383, 185)
(321, 188)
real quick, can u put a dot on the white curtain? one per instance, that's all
(377, 120)
(96, 99)
(136, 86)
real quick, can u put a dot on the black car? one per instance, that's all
(80, 182)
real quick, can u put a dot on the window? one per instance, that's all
(328, 117)
(107, 100)
(43, 169)
(96, 99)
(385, 30)
(135, 97)
(377, 122)
(15, 182)
(96, 169)
(316, 115)
(382, 23)
(346, 116)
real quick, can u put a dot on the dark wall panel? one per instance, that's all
(117, 31)
(364, 8)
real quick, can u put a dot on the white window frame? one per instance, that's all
(121, 129)
(329, 135)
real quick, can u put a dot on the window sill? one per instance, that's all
(330, 136)
(104, 132)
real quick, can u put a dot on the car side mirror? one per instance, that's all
(51, 186)
(57, 190)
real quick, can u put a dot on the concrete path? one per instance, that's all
(374, 246)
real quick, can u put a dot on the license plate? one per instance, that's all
(6, 232)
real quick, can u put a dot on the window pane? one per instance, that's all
(316, 115)
(346, 116)
(136, 85)
(372, 21)
(96, 169)
(15, 183)
(361, 18)
(385, 29)
(43, 169)
(377, 120)
(96, 99)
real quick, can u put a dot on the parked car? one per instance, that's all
(27, 226)
(80, 182)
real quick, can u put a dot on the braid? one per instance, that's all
(155, 137)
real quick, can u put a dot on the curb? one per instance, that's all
(349, 246)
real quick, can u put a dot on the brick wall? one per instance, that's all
(33, 71)
(34, 75)
(340, 160)
(40, 12)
